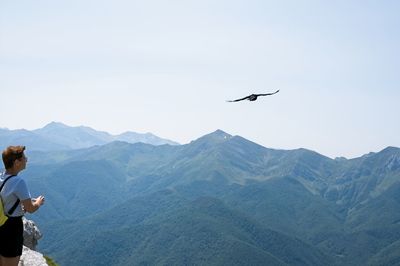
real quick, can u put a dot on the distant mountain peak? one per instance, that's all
(220, 132)
(217, 136)
(77, 137)
(391, 149)
(54, 124)
(148, 138)
(210, 140)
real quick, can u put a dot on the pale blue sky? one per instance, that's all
(167, 67)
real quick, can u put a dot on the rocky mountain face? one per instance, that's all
(29, 256)
(218, 200)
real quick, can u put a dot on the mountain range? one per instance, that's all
(58, 136)
(218, 200)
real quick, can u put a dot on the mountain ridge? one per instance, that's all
(58, 136)
(344, 208)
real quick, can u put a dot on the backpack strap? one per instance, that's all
(11, 211)
(2, 185)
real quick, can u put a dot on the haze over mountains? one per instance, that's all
(219, 200)
(58, 136)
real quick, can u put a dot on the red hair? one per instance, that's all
(11, 154)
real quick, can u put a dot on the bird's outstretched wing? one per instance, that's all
(241, 99)
(266, 94)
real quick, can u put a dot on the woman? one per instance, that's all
(16, 199)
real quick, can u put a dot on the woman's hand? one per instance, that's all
(32, 205)
(39, 200)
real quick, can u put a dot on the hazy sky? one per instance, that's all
(167, 67)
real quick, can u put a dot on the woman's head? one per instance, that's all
(13, 157)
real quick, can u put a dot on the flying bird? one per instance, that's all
(253, 97)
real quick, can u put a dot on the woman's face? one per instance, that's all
(21, 163)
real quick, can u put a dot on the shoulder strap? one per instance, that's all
(16, 203)
(2, 185)
(11, 211)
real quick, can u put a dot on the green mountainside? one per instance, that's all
(164, 228)
(219, 200)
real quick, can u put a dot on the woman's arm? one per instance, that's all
(32, 205)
